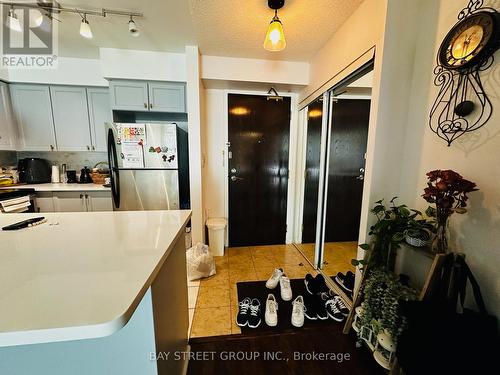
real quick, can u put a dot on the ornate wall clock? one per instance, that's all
(462, 104)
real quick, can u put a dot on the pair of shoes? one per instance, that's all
(279, 277)
(249, 313)
(315, 307)
(345, 281)
(336, 308)
(315, 285)
(298, 311)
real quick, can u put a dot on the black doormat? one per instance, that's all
(257, 289)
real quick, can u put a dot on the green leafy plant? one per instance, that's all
(388, 233)
(383, 292)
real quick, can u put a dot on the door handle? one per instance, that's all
(234, 178)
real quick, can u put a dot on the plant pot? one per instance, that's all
(417, 237)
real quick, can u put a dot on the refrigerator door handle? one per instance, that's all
(113, 168)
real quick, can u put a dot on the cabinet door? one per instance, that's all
(99, 201)
(99, 113)
(69, 201)
(7, 128)
(129, 95)
(33, 113)
(71, 118)
(167, 97)
(44, 201)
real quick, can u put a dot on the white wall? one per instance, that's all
(362, 31)
(143, 65)
(195, 109)
(70, 71)
(254, 70)
(477, 157)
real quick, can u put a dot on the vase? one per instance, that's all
(440, 242)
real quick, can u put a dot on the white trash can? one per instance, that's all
(216, 226)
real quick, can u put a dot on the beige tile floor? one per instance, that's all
(217, 300)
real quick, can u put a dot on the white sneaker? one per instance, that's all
(271, 315)
(298, 312)
(274, 279)
(285, 288)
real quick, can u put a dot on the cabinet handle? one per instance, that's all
(150, 105)
(145, 105)
(51, 148)
(88, 148)
(93, 148)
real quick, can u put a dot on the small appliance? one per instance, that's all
(34, 171)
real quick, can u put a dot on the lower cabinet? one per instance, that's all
(75, 201)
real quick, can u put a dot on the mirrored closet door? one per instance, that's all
(335, 141)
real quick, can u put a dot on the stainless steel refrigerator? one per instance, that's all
(143, 161)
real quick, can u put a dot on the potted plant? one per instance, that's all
(448, 191)
(419, 232)
(389, 232)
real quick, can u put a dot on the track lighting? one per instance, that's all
(36, 18)
(275, 37)
(132, 27)
(12, 21)
(85, 30)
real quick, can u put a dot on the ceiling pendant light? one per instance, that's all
(12, 21)
(275, 37)
(132, 27)
(85, 30)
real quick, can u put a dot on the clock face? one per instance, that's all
(469, 41)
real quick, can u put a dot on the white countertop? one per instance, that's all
(82, 278)
(59, 187)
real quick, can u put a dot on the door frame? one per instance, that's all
(292, 158)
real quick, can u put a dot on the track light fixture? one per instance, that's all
(132, 27)
(85, 30)
(39, 9)
(12, 21)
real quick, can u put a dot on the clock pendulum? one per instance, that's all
(462, 104)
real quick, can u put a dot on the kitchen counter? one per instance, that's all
(82, 275)
(59, 187)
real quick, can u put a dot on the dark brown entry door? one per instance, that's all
(346, 170)
(258, 169)
(311, 185)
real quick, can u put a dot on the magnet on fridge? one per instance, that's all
(141, 142)
(164, 157)
(151, 149)
(158, 149)
(164, 149)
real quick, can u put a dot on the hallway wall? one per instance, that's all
(476, 156)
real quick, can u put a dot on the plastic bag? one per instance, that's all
(200, 262)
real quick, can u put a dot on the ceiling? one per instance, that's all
(219, 27)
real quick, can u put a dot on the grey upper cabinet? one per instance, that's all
(71, 118)
(167, 97)
(7, 128)
(33, 112)
(99, 113)
(148, 96)
(129, 95)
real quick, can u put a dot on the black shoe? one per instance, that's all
(242, 317)
(345, 281)
(310, 307)
(325, 296)
(320, 284)
(321, 309)
(341, 305)
(349, 280)
(310, 284)
(333, 311)
(254, 317)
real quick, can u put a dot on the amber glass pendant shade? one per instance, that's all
(275, 37)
